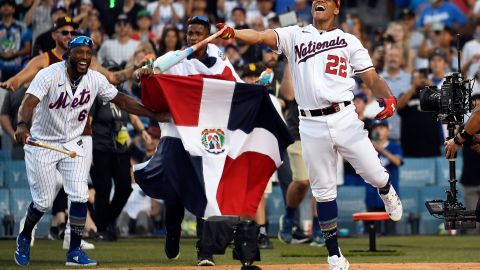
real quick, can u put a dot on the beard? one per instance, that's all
(63, 45)
(393, 66)
(73, 64)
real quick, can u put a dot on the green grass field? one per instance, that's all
(132, 253)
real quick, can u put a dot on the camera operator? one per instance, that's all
(420, 130)
(470, 180)
(467, 135)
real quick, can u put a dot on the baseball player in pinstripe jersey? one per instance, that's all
(64, 29)
(61, 96)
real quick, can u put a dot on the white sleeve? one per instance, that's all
(151, 7)
(359, 58)
(40, 84)
(179, 10)
(106, 91)
(285, 40)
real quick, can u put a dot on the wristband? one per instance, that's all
(466, 136)
(456, 141)
(23, 122)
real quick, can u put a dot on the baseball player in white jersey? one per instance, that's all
(60, 96)
(322, 60)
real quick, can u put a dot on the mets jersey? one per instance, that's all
(61, 114)
(322, 63)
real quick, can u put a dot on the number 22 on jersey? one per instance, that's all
(336, 65)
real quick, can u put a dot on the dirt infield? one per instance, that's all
(360, 266)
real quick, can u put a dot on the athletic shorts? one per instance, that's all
(297, 164)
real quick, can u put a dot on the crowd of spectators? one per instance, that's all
(415, 46)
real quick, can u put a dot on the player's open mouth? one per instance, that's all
(82, 64)
(319, 8)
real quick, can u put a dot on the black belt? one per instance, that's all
(335, 107)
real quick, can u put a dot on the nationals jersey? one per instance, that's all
(61, 114)
(322, 64)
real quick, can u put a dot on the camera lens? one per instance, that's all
(430, 99)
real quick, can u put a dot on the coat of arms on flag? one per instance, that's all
(225, 141)
(213, 140)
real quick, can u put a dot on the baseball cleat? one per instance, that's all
(83, 244)
(172, 247)
(205, 260)
(78, 257)
(317, 240)
(299, 237)
(285, 231)
(393, 205)
(264, 242)
(22, 253)
(337, 263)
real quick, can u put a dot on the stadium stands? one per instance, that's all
(442, 172)
(275, 208)
(417, 172)
(15, 174)
(5, 155)
(4, 207)
(350, 200)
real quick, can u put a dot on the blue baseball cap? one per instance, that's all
(77, 42)
(80, 41)
(203, 20)
(361, 96)
(379, 123)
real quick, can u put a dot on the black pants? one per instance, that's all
(108, 166)
(285, 176)
(174, 213)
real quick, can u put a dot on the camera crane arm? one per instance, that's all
(451, 102)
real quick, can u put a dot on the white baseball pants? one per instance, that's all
(323, 136)
(48, 170)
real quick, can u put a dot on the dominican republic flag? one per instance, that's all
(227, 141)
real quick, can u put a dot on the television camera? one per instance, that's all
(451, 103)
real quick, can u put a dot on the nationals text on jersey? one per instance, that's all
(304, 52)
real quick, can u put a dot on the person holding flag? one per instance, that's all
(207, 61)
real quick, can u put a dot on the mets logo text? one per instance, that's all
(213, 140)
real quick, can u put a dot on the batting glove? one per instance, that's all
(228, 33)
(389, 107)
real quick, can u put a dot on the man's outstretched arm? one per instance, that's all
(250, 36)
(26, 74)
